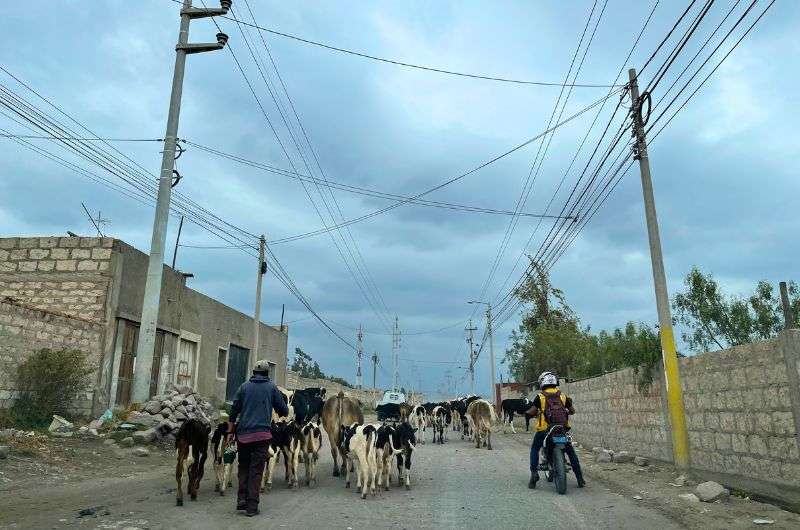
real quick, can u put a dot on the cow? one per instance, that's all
(339, 411)
(406, 439)
(287, 397)
(441, 420)
(312, 442)
(419, 421)
(460, 405)
(224, 455)
(287, 439)
(307, 403)
(385, 448)
(358, 442)
(191, 447)
(393, 411)
(518, 406)
(481, 416)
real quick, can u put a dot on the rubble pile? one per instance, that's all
(161, 417)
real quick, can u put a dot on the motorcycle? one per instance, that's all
(555, 463)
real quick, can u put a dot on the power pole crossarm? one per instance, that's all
(152, 290)
(677, 413)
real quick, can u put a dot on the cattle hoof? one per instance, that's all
(346, 484)
(179, 502)
(221, 493)
(193, 497)
(408, 486)
(335, 472)
(489, 448)
(364, 496)
(216, 488)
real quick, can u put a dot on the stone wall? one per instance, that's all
(739, 408)
(67, 275)
(24, 330)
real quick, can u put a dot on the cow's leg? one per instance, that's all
(511, 422)
(347, 473)
(296, 464)
(335, 456)
(219, 471)
(226, 478)
(408, 469)
(489, 439)
(182, 453)
(286, 464)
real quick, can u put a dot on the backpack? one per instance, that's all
(555, 413)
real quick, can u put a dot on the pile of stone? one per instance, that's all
(161, 417)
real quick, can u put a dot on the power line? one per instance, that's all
(43, 137)
(358, 190)
(406, 64)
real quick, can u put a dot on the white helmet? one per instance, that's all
(548, 379)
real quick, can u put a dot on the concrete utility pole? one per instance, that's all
(395, 352)
(677, 413)
(359, 356)
(469, 330)
(374, 359)
(489, 334)
(262, 269)
(152, 290)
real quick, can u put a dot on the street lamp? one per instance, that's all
(491, 346)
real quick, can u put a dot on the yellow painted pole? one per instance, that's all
(672, 378)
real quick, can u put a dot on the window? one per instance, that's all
(222, 363)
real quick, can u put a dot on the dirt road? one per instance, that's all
(454, 486)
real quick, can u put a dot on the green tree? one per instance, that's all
(713, 319)
(304, 365)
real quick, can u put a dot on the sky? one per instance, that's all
(723, 170)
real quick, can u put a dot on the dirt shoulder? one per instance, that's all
(653, 486)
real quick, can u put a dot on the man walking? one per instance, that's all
(252, 406)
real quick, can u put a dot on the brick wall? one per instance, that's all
(24, 330)
(64, 274)
(739, 414)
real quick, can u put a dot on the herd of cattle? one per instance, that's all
(364, 448)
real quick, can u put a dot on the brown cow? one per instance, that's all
(338, 411)
(481, 417)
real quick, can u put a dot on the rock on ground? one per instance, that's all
(145, 436)
(622, 457)
(641, 461)
(141, 451)
(691, 497)
(605, 456)
(127, 442)
(711, 491)
(3, 452)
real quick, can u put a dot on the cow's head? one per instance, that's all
(345, 434)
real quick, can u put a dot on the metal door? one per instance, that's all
(187, 352)
(238, 358)
(158, 353)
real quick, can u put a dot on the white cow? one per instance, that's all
(419, 421)
(359, 444)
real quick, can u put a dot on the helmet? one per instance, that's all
(261, 367)
(548, 379)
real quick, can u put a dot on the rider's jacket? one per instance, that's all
(539, 403)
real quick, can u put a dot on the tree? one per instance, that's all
(714, 319)
(304, 365)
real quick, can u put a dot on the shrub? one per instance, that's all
(48, 383)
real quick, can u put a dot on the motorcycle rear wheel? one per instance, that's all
(559, 470)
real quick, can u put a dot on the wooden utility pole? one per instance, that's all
(788, 317)
(677, 413)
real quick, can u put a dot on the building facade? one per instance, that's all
(86, 293)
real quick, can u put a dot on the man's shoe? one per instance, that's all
(241, 506)
(533, 480)
(581, 482)
(252, 513)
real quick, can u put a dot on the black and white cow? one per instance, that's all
(307, 404)
(287, 439)
(441, 421)
(405, 437)
(515, 406)
(312, 442)
(359, 442)
(419, 421)
(224, 456)
(191, 447)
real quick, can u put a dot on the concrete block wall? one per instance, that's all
(64, 274)
(739, 413)
(741, 406)
(611, 412)
(24, 330)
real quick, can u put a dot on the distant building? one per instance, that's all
(86, 293)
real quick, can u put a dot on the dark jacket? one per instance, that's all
(253, 405)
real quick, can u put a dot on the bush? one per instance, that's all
(48, 383)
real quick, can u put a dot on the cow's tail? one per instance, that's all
(339, 406)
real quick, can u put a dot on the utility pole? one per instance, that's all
(677, 413)
(177, 243)
(470, 329)
(262, 269)
(374, 359)
(359, 355)
(395, 352)
(155, 266)
(491, 351)
(788, 317)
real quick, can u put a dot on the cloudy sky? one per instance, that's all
(723, 173)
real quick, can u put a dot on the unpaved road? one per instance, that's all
(454, 486)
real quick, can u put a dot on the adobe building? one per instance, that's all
(86, 293)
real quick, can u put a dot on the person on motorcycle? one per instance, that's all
(549, 399)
